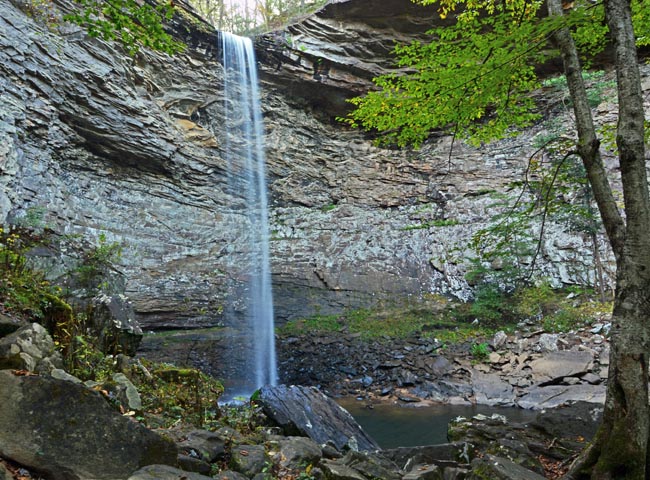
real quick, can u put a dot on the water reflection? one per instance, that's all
(395, 426)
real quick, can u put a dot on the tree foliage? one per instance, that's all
(474, 76)
(621, 447)
(132, 23)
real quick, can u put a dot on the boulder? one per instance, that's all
(574, 421)
(125, 391)
(445, 454)
(9, 324)
(424, 472)
(29, 348)
(166, 472)
(230, 475)
(335, 470)
(497, 468)
(495, 433)
(551, 396)
(296, 452)
(308, 412)
(206, 445)
(194, 464)
(113, 324)
(439, 365)
(69, 432)
(557, 365)
(372, 465)
(248, 459)
(490, 389)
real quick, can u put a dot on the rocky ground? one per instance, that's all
(291, 433)
(529, 368)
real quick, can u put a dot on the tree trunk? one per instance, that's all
(620, 449)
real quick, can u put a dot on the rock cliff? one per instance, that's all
(132, 148)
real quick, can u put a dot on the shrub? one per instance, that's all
(480, 351)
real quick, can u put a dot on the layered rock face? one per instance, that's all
(134, 148)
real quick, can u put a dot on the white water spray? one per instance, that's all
(247, 178)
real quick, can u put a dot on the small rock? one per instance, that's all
(63, 375)
(570, 380)
(481, 367)
(591, 378)
(494, 357)
(438, 365)
(597, 328)
(128, 392)
(408, 399)
(407, 378)
(522, 345)
(499, 339)
(548, 342)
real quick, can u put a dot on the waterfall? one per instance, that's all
(255, 342)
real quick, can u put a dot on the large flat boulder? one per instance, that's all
(539, 398)
(69, 432)
(306, 411)
(557, 365)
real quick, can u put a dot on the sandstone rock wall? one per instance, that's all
(132, 148)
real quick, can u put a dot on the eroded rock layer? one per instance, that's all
(132, 148)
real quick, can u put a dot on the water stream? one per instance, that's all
(254, 344)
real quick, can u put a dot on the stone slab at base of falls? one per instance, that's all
(307, 411)
(70, 432)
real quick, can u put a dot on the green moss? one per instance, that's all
(328, 208)
(395, 321)
(171, 394)
(313, 324)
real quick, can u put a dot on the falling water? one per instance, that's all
(245, 155)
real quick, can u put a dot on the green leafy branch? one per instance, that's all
(129, 22)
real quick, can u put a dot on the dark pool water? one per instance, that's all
(398, 426)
